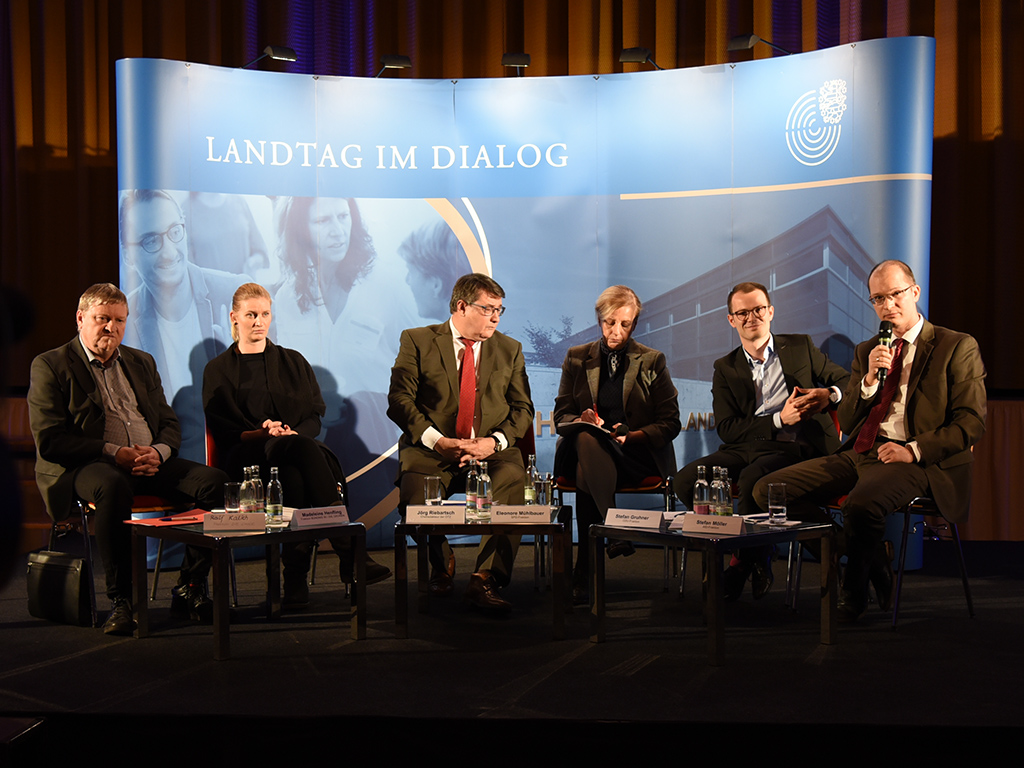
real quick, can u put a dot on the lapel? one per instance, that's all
(742, 382)
(785, 360)
(632, 370)
(925, 344)
(487, 363)
(78, 366)
(273, 361)
(445, 346)
(592, 365)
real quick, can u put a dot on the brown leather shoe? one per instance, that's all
(483, 593)
(442, 582)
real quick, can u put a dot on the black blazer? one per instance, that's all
(67, 417)
(803, 365)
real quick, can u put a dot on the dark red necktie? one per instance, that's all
(868, 433)
(467, 393)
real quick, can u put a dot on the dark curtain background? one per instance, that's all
(58, 143)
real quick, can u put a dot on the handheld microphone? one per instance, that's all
(621, 430)
(885, 338)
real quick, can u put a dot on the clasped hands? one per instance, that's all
(463, 450)
(277, 429)
(138, 459)
(802, 404)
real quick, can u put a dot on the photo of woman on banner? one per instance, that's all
(263, 406)
(434, 259)
(624, 392)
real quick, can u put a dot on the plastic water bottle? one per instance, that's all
(245, 495)
(701, 493)
(483, 501)
(275, 500)
(472, 491)
(257, 490)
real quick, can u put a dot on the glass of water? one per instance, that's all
(776, 503)
(432, 490)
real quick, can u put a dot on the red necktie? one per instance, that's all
(868, 433)
(467, 393)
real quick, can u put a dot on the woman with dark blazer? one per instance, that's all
(625, 387)
(263, 406)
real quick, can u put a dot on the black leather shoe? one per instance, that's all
(881, 576)
(761, 577)
(618, 547)
(120, 620)
(850, 607)
(442, 583)
(483, 593)
(733, 581)
(191, 601)
(374, 571)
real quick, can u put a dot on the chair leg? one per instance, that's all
(899, 572)
(963, 569)
(89, 563)
(682, 571)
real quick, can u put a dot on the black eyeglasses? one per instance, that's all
(743, 314)
(154, 241)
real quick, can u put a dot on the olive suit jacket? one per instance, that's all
(67, 416)
(945, 411)
(425, 393)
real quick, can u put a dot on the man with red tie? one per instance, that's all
(909, 436)
(458, 392)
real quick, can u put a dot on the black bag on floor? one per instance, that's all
(57, 588)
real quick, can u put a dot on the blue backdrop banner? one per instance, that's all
(358, 202)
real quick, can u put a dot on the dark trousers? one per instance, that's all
(874, 490)
(496, 553)
(112, 491)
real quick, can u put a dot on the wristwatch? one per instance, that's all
(497, 443)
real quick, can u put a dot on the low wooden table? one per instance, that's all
(714, 546)
(561, 565)
(220, 543)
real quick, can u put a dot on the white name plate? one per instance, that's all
(721, 525)
(219, 520)
(651, 519)
(441, 514)
(319, 517)
(511, 514)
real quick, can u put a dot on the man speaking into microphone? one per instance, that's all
(914, 407)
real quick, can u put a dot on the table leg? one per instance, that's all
(829, 591)
(274, 581)
(359, 589)
(558, 579)
(221, 589)
(422, 573)
(139, 580)
(401, 583)
(715, 608)
(597, 614)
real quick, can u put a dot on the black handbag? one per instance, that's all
(57, 588)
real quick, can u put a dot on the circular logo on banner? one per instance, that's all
(813, 126)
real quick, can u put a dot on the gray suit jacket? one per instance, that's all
(946, 405)
(649, 398)
(425, 392)
(67, 417)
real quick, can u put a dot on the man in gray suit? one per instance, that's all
(104, 433)
(771, 397)
(908, 436)
(440, 437)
